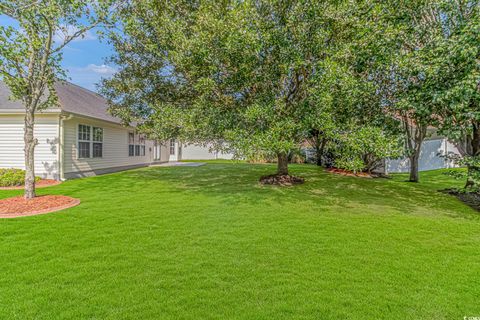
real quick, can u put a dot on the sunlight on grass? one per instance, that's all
(210, 242)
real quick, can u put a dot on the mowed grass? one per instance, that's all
(211, 243)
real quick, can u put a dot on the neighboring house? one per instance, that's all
(77, 139)
(433, 155)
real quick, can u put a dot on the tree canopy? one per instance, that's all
(259, 74)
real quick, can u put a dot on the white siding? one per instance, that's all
(115, 148)
(432, 156)
(195, 152)
(46, 152)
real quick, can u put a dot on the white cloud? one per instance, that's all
(90, 75)
(69, 30)
(100, 69)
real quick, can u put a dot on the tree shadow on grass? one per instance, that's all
(236, 183)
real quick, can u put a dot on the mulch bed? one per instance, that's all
(19, 207)
(39, 184)
(471, 199)
(281, 180)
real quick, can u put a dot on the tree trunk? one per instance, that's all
(30, 143)
(282, 165)
(320, 146)
(415, 135)
(473, 171)
(414, 167)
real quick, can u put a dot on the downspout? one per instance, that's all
(61, 145)
(60, 148)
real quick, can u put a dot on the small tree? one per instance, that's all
(30, 56)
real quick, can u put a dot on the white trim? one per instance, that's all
(77, 115)
(22, 111)
(90, 141)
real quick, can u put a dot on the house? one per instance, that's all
(80, 138)
(77, 139)
(435, 153)
(179, 151)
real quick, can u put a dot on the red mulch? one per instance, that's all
(350, 173)
(39, 184)
(281, 180)
(19, 207)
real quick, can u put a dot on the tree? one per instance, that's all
(413, 27)
(454, 78)
(30, 56)
(244, 71)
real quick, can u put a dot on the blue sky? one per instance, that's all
(83, 59)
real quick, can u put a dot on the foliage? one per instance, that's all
(454, 80)
(472, 173)
(254, 73)
(13, 177)
(364, 149)
(30, 56)
(399, 69)
(31, 53)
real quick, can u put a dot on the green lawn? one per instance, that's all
(210, 243)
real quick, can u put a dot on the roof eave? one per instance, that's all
(22, 111)
(96, 119)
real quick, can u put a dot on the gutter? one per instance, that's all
(22, 111)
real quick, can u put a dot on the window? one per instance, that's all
(83, 133)
(83, 141)
(142, 145)
(83, 150)
(97, 142)
(136, 145)
(172, 147)
(90, 142)
(131, 144)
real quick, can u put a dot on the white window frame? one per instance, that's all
(90, 142)
(98, 142)
(130, 144)
(172, 145)
(139, 143)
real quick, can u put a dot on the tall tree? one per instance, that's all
(413, 27)
(243, 71)
(454, 78)
(30, 56)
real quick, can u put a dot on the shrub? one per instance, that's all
(13, 177)
(364, 149)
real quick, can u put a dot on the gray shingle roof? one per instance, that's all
(5, 102)
(72, 98)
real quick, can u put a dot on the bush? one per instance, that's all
(364, 149)
(13, 177)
